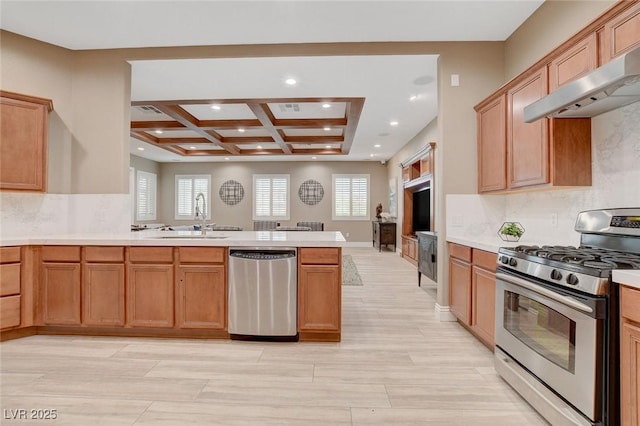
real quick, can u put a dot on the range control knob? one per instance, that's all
(556, 275)
(504, 260)
(572, 279)
(513, 262)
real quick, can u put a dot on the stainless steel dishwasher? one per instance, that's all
(263, 292)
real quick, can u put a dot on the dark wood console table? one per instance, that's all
(384, 233)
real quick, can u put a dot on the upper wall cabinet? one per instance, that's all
(23, 141)
(492, 145)
(621, 33)
(573, 63)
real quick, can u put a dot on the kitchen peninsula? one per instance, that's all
(155, 283)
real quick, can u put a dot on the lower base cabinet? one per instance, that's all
(410, 249)
(61, 293)
(472, 284)
(630, 356)
(150, 296)
(319, 294)
(201, 301)
(103, 295)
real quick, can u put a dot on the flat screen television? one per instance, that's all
(422, 210)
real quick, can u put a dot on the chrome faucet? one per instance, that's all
(201, 213)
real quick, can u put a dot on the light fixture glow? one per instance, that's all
(413, 97)
(326, 129)
(192, 147)
(326, 105)
(216, 107)
(327, 146)
(371, 155)
(226, 158)
(259, 147)
(159, 132)
(140, 148)
(377, 145)
(241, 130)
(393, 123)
(314, 158)
(291, 81)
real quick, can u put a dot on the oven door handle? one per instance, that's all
(565, 300)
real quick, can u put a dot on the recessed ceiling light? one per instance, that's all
(413, 97)
(314, 158)
(393, 123)
(326, 105)
(159, 132)
(241, 130)
(192, 147)
(140, 148)
(326, 129)
(371, 155)
(291, 81)
(259, 147)
(226, 158)
(327, 146)
(216, 107)
(377, 145)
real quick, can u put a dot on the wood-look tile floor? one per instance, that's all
(396, 364)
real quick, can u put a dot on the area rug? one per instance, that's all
(350, 275)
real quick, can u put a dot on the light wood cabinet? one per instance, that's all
(23, 141)
(630, 356)
(410, 249)
(460, 289)
(622, 32)
(103, 287)
(483, 295)
(10, 287)
(492, 145)
(202, 288)
(150, 287)
(60, 285)
(575, 62)
(319, 294)
(472, 283)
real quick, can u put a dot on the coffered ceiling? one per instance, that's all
(376, 103)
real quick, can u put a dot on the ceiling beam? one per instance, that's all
(352, 115)
(263, 113)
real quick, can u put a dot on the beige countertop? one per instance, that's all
(627, 277)
(191, 238)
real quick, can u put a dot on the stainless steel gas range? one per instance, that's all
(557, 337)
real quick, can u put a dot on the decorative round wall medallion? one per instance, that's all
(311, 192)
(231, 192)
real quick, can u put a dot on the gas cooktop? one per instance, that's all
(587, 256)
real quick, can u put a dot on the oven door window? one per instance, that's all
(547, 332)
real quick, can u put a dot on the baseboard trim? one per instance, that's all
(444, 314)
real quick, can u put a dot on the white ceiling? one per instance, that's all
(386, 82)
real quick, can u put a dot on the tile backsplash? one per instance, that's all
(549, 216)
(27, 214)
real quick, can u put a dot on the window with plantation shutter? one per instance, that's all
(146, 196)
(187, 188)
(270, 197)
(350, 197)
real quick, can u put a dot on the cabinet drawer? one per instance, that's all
(485, 259)
(202, 254)
(9, 254)
(151, 254)
(319, 256)
(460, 252)
(104, 254)
(9, 279)
(629, 302)
(61, 254)
(9, 311)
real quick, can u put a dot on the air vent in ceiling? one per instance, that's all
(149, 109)
(289, 108)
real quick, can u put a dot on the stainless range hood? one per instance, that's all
(613, 85)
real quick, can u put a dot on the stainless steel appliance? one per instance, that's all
(557, 339)
(263, 292)
(427, 255)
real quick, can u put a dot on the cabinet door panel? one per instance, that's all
(202, 297)
(9, 311)
(9, 279)
(630, 374)
(622, 33)
(319, 298)
(527, 143)
(61, 293)
(150, 296)
(103, 295)
(460, 289)
(492, 147)
(574, 63)
(483, 295)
